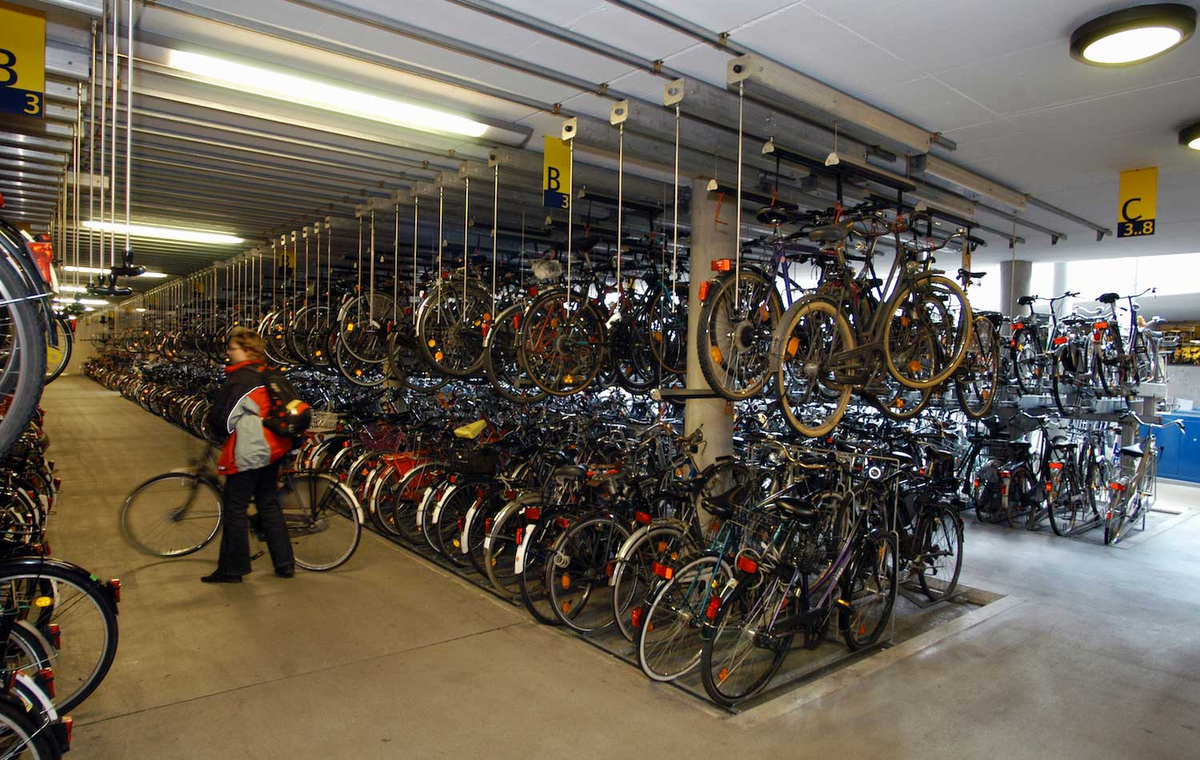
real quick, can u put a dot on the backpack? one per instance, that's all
(288, 415)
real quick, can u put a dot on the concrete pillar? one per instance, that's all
(709, 241)
(1014, 283)
(1060, 286)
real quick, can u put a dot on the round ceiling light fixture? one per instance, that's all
(1189, 137)
(1133, 35)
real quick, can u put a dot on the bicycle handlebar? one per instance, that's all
(1153, 425)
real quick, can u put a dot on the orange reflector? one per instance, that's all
(747, 565)
(563, 523)
(723, 674)
(636, 617)
(1100, 325)
(722, 265)
(1117, 486)
(566, 581)
(715, 353)
(1018, 325)
(662, 571)
(1049, 487)
(1055, 465)
(704, 287)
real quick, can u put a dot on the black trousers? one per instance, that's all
(235, 538)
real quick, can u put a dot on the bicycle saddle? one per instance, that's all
(831, 233)
(1027, 300)
(798, 509)
(872, 283)
(972, 275)
(723, 505)
(569, 472)
(774, 215)
(1134, 451)
(1108, 298)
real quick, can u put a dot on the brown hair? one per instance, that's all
(249, 341)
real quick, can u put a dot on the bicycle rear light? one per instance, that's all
(115, 585)
(635, 618)
(533, 513)
(1100, 325)
(663, 571)
(1061, 340)
(704, 288)
(713, 606)
(45, 679)
(642, 517)
(747, 565)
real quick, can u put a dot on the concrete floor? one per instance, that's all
(1099, 657)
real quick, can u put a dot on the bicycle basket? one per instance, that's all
(474, 461)
(323, 422)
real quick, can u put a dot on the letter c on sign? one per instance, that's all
(1125, 210)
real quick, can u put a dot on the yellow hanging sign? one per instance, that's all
(556, 173)
(1139, 203)
(22, 61)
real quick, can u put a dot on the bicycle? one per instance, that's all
(1133, 492)
(178, 513)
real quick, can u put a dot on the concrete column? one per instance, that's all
(709, 241)
(1060, 286)
(1014, 283)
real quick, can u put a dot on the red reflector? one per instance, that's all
(704, 287)
(713, 605)
(509, 493)
(563, 523)
(1055, 465)
(69, 725)
(520, 534)
(747, 565)
(1117, 486)
(636, 617)
(1012, 342)
(46, 681)
(55, 634)
(1049, 487)
(453, 478)
(533, 513)
(642, 517)
(533, 291)
(663, 571)
(1006, 473)
(1100, 325)
(115, 585)
(1018, 325)
(487, 524)
(722, 265)
(459, 523)
(1060, 340)
(1004, 489)
(977, 482)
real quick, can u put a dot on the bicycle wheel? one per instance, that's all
(503, 538)
(49, 593)
(22, 355)
(324, 521)
(1022, 498)
(734, 663)
(736, 326)
(563, 342)
(939, 543)
(977, 379)
(172, 515)
(21, 737)
(670, 639)
(639, 565)
(1026, 361)
(870, 589)
(580, 568)
(937, 308)
(1068, 506)
(451, 323)
(1111, 365)
(58, 357)
(812, 332)
(502, 363)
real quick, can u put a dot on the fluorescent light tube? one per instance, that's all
(165, 233)
(84, 301)
(102, 270)
(308, 92)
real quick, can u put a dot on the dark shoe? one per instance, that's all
(286, 572)
(221, 578)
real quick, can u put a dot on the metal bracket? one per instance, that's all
(673, 92)
(570, 128)
(619, 112)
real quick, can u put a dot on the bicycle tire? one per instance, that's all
(49, 591)
(759, 664)
(718, 346)
(975, 388)
(315, 505)
(961, 337)
(58, 358)
(870, 567)
(662, 544)
(940, 533)
(148, 499)
(24, 374)
(21, 737)
(814, 345)
(677, 608)
(582, 562)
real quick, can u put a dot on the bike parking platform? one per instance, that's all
(805, 674)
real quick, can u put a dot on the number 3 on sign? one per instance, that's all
(33, 103)
(1137, 229)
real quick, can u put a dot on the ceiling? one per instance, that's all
(995, 79)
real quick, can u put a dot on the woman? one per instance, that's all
(249, 460)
